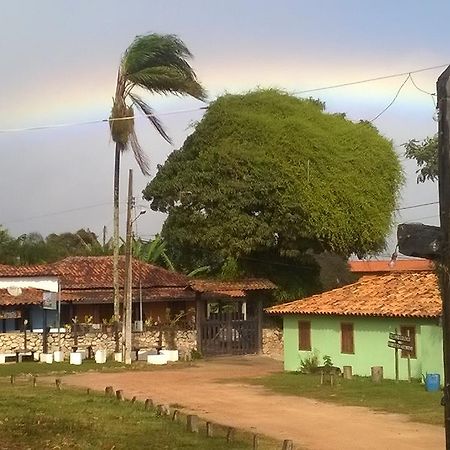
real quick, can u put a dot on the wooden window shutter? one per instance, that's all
(304, 335)
(347, 342)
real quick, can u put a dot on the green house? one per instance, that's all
(351, 324)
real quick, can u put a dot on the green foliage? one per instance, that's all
(267, 175)
(33, 248)
(269, 170)
(426, 155)
(157, 63)
(310, 363)
(327, 363)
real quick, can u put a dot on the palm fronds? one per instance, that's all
(157, 63)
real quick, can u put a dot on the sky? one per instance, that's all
(59, 61)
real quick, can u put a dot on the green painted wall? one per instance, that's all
(370, 342)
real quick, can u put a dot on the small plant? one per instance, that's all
(88, 320)
(195, 354)
(310, 363)
(327, 363)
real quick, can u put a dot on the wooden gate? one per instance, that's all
(229, 333)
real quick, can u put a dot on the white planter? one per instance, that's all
(142, 355)
(2, 358)
(83, 352)
(172, 355)
(58, 356)
(75, 358)
(157, 359)
(118, 357)
(37, 356)
(46, 358)
(100, 356)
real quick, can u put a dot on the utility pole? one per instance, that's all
(128, 275)
(443, 92)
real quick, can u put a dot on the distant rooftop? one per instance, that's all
(383, 266)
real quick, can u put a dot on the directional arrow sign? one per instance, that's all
(399, 337)
(407, 348)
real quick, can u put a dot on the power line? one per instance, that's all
(202, 108)
(95, 121)
(393, 100)
(368, 80)
(416, 206)
(57, 213)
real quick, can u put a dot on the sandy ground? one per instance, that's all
(205, 391)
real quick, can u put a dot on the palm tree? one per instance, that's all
(158, 64)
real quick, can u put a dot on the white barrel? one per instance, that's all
(172, 355)
(100, 356)
(58, 356)
(46, 358)
(157, 359)
(76, 358)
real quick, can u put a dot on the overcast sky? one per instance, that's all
(59, 61)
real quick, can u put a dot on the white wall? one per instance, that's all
(49, 283)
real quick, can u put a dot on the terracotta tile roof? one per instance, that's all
(95, 296)
(28, 296)
(234, 288)
(403, 294)
(38, 270)
(96, 272)
(400, 265)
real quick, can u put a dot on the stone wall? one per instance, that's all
(185, 341)
(272, 342)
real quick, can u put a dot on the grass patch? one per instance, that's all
(44, 418)
(402, 397)
(89, 365)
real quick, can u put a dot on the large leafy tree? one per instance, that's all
(266, 178)
(157, 64)
(426, 155)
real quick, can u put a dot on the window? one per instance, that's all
(412, 334)
(304, 335)
(347, 344)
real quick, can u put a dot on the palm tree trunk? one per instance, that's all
(116, 235)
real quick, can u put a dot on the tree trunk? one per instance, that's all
(116, 242)
(116, 245)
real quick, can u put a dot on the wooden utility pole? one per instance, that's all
(443, 92)
(128, 275)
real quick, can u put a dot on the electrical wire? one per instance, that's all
(418, 205)
(95, 121)
(202, 108)
(393, 100)
(57, 213)
(368, 80)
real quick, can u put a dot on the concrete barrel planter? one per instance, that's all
(157, 359)
(46, 358)
(76, 358)
(118, 357)
(58, 356)
(100, 356)
(172, 355)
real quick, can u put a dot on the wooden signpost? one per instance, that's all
(401, 342)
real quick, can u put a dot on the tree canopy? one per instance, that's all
(426, 155)
(270, 174)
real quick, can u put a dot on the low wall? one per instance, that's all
(272, 342)
(185, 341)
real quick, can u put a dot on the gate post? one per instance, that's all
(199, 319)
(259, 325)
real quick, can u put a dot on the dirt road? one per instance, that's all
(205, 391)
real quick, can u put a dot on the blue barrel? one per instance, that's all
(432, 382)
